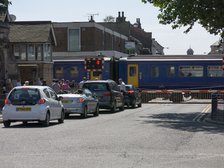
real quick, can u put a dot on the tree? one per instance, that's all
(182, 13)
(4, 5)
(109, 19)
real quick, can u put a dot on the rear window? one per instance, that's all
(94, 87)
(24, 96)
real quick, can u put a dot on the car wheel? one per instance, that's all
(140, 104)
(6, 123)
(84, 114)
(66, 115)
(46, 122)
(133, 104)
(61, 120)
(122, 107)
(96, 113)
(114, 107)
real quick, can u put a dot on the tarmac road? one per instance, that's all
(156, 135)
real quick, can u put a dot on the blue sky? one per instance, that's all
(174, 41)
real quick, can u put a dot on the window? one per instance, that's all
(191, 71)
(215, 71)
(74, 72)
(17, 51)
(59, 72)
(46, 93)
(132, 71)
(47, 52)
(53, 95)
(154, 71)
(23, 52)
(31, 52)
(171, 71)
(38, 52)
(73, 37)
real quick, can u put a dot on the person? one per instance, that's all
(65, 85)
(82, 82)
(26, 83)
(56, 86)
(44, 83)
(122, 85)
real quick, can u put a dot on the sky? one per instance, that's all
(175, 42)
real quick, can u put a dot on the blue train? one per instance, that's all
(152, 72)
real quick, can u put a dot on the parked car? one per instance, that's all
(132, 96)
(32, 103)
(108, 93)
(81, 102)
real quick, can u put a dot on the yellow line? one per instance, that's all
(207, 109)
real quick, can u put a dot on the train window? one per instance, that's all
(171, 71)
(155, 71)
(132, 71)
(74, 72)
(215, 71)
(191, 71)
(59, 72)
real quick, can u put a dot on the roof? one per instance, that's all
(31, 32)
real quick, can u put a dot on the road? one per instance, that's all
(156, 135)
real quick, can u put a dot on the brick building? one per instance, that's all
(87, 39)
(142, 41)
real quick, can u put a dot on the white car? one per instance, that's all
(32, 103)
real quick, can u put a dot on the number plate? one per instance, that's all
(66, 101)
(23, 109)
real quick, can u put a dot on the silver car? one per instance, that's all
(32, 103)
(81, 102)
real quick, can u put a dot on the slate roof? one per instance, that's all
(31, 32)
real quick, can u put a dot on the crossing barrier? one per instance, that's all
(178, 96)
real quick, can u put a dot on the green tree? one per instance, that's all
(109, 19)
(182, 13)
(4, 5)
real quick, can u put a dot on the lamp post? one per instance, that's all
(4, 39)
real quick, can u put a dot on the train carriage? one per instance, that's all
(173, 72)
(76, 69)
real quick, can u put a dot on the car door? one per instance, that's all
(117, 94)
(56, 113)
(91, 102)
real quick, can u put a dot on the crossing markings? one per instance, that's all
(200, 117)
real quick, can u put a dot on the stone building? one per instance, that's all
(30, 51)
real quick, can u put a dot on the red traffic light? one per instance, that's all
(98, 62)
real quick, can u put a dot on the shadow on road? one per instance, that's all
(183, 122)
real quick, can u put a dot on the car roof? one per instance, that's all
(99, 81)
(31, 87)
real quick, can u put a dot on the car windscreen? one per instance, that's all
(25, 96)
(96, 87)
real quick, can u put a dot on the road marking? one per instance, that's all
(202, 115)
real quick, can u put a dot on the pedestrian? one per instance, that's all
(56, 86)
(26, 83)
(122, 85)
(82, 82)
(65, 86)
(44, 83)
